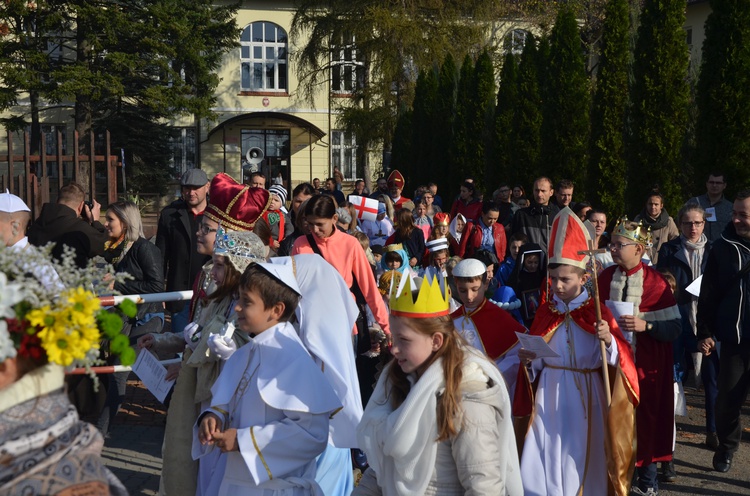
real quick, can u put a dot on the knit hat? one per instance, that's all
(278, 190)
(437, 244)
(235, 206)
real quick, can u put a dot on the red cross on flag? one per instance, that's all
(367, 208)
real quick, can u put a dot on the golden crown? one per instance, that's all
(432, 300)
(641, 234)
(393, 247)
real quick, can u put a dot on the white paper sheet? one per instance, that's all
(152, 374)
(618, 309)
(537, 344)
(711, 214)
(694, 288)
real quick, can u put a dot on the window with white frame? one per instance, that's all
(515, 41)
(344, 153)
(182, 146)
(263, 57)
(347, 73)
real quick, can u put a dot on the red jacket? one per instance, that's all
(471, 240)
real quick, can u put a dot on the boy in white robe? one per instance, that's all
(271, 403)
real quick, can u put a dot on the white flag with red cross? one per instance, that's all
(367, 208)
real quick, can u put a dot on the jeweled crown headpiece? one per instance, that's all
(240, 247)
(641, 234)
(432, 300)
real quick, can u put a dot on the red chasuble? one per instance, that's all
(653, 359)
(496, 327)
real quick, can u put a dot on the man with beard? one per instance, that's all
(176, 238)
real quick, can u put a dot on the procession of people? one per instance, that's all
(382, 344)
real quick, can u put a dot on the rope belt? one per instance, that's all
(582, 371)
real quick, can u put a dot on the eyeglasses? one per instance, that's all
(620, 246)
(204, 229)
(716, 183)
(696, 223)
(503, 191)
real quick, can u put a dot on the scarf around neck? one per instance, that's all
(657, 223)
(400, 443)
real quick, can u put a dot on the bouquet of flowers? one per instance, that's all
(50, 312)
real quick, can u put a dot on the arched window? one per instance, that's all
(514, 41)
(263, 55)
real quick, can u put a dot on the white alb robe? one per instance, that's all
(279, 401)
(565, 442)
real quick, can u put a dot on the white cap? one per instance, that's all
(437, 244)
(470, 267)
(283, 274)
(11, 203)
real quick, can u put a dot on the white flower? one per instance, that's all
(10, 294)
(7, 348)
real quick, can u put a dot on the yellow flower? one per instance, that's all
(83, 301)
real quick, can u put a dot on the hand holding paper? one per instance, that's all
(536, 345)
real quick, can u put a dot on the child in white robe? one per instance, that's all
(271, 404)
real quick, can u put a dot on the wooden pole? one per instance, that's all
(595, 290)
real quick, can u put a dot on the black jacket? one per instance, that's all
(672, 257)
(724, 303)
(143, 262)
(536, 222)
(61, 224)
(181, 261)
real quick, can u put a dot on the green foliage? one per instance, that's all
(402, 147)
(424, 128)
(504, 132)
(527, 122)
(659, 98)
(607, 169)
(483, 120)
(131, 65)
(462, 139)
(723, 128)
(445, 111)
(565, 124)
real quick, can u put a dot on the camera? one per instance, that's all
(89, 204)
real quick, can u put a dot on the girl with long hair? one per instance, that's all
(408, 235)
(432, 406)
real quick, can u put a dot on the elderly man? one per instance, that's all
(176, 238)
(718, 208)
(535, 221)
(723, 316)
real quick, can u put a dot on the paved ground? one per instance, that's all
(133, 450)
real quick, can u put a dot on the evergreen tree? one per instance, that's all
(482, 121)
(723, 129)
(445, 111)
(423, 127)
(504, 132)
(659, 105)
(402, 150)
(607, 170)
(527, 121)
(462, 139)
(565, 124)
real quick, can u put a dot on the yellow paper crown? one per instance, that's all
(393, 247)
(641, 234)
(431, 301)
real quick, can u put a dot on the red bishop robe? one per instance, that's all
(398, 204)
(496, 327)
(623, 381)
(653, 359)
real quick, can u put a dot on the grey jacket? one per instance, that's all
(723, 209)
(461, 467)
